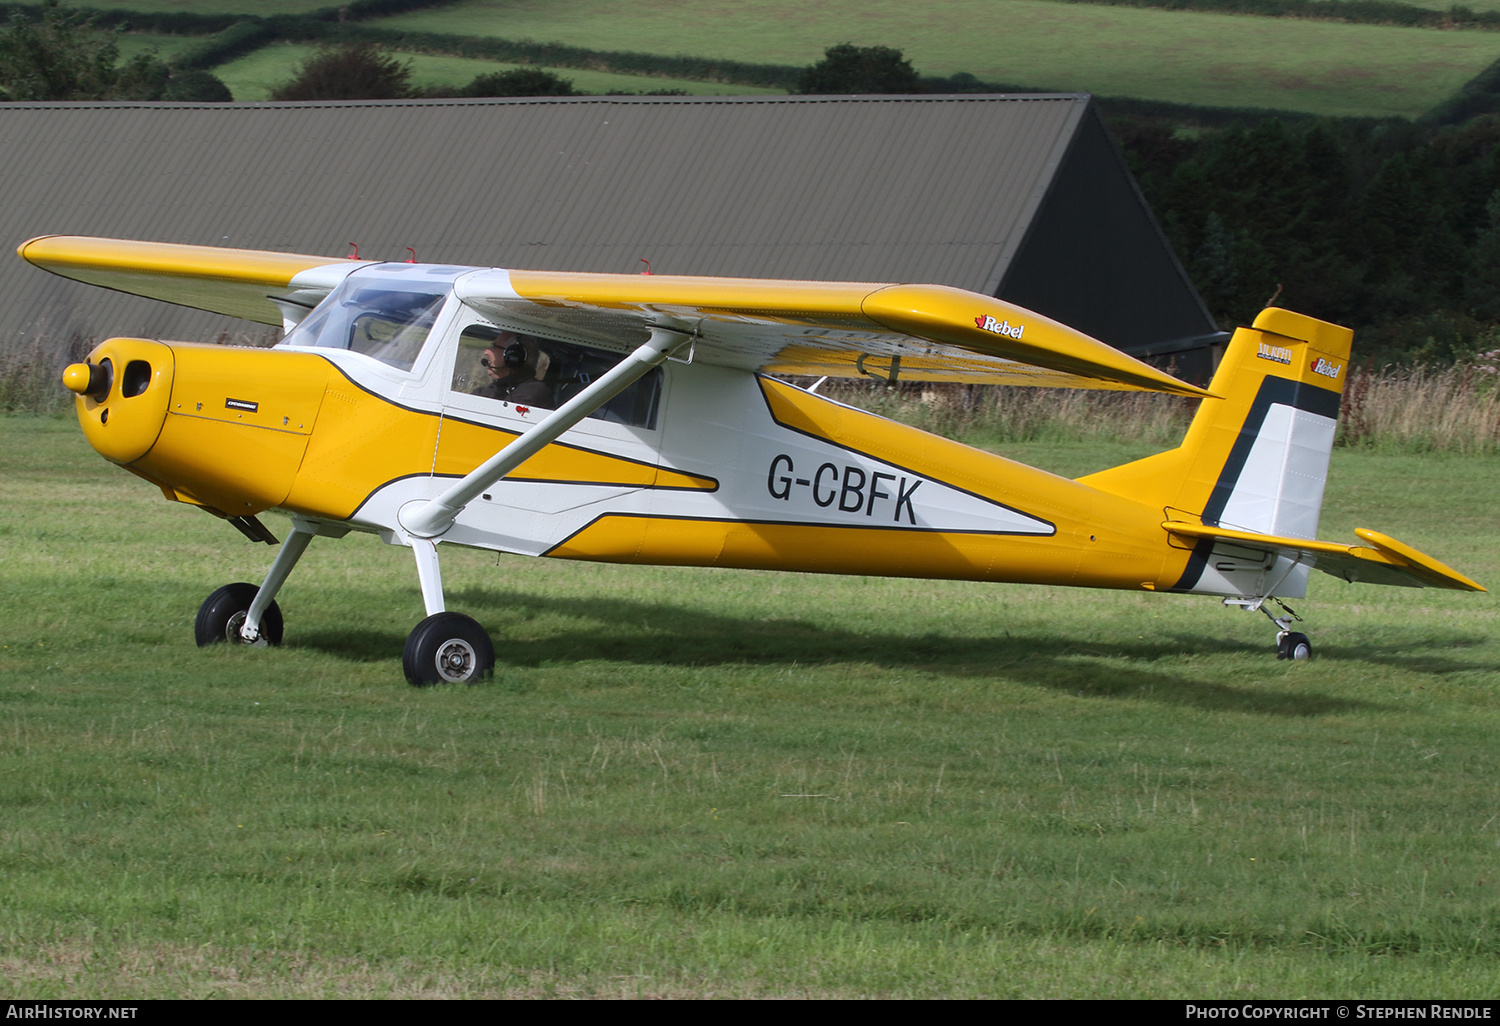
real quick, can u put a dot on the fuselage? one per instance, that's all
(727, 468)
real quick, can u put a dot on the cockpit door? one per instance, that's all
(503, 382)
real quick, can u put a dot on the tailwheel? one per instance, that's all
(1291, 645)
(223, 614)
(447, 648)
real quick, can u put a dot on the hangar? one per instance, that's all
(1024, 197)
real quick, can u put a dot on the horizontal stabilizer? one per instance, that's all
(1388, 562)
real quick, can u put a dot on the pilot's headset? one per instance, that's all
(515, 356)
(522, 354)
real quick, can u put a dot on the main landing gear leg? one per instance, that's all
(445, 648)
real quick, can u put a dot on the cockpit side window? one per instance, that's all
(525, 370)
(384, 316)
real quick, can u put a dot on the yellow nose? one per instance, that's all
(122, 390)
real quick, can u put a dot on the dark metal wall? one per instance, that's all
(968, 191)
(1095, 257)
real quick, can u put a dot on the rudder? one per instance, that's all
(1257, 459)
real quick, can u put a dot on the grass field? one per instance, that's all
(1320, 67)
(252, 77)
(693, 783)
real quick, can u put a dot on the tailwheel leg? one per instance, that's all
(445, 648)
(1289, 643)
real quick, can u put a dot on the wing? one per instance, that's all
(842, 329)
(238, 282)
(1387, 561)
(839, 329)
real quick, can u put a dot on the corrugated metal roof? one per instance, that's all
(917, 189)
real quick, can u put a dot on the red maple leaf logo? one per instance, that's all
(523, 410)
(979, 322)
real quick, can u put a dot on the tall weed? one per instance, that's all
(1452, 409)
(31, 368)
(1425, 409)
(31, 372)
(982, 414)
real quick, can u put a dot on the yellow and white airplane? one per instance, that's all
(643, 419)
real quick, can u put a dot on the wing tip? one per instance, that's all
(23, 247)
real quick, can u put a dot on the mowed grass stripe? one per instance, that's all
(1223, 60)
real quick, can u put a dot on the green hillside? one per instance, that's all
(1222, 60)
(260, 8)
(252, 77)
(1295, 64)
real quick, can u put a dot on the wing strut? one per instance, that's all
(432, 518)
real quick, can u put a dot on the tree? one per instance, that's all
(61, 56)
(519, 82)
(847, 68)
(196, 87)
(359, 72)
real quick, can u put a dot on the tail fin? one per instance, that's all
(1255, 460)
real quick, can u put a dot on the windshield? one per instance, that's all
(384, 311)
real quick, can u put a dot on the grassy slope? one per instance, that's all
(165, 47)
(1029, 791)
(1322, 67)
(262, 8)
(252, 77)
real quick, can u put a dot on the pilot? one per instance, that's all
(516, 365)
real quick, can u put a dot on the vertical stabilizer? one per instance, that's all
(1257, 459)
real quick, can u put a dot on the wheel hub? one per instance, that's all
(456, 660)
(235, 625)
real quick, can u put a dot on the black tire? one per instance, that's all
(222, 613)
(447, 648)
(1294, 646)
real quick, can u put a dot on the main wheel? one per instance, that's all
(1293, 646)
(223, 614)
(447, 648)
